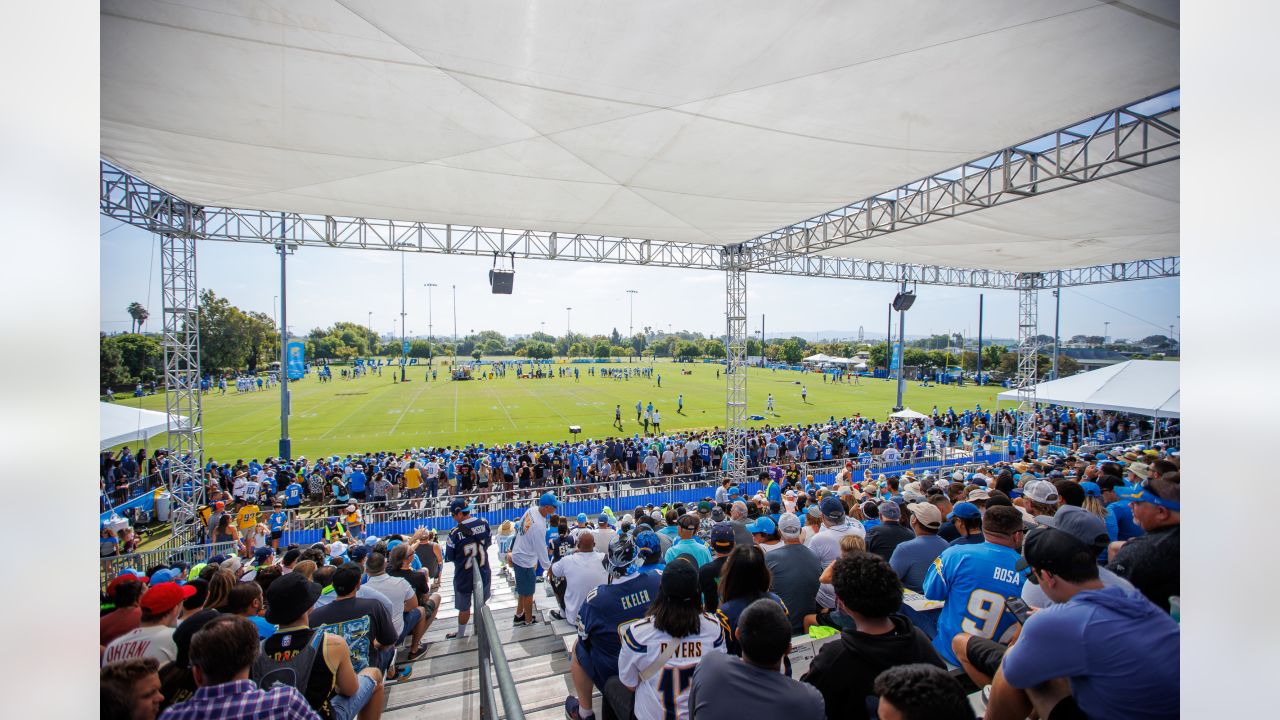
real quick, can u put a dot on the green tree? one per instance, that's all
(141, 355)
(138, 315)
(713, 348)
(689, 350)
(992, 355)
(111, 369)
(793, 351)
(540, 350)
(878, 354)
(476, 354)
(494, 347)
(615, 338)
(638, 343)
(602, 349)
(753, 347)
(580, 349)
(224, 336)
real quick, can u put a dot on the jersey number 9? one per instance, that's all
(985, 607)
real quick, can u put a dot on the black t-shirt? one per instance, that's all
(709, 583)
(1151, 563)
(845, 668)
(416, 579)
(360, 622)
(883, 538)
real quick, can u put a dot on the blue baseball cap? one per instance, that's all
(966, 510)
(358, 552)
(1091, 489)
(547, 499)
(582, 517)
(832, 509)
(162, 576)
(763, 525)
(459, 505)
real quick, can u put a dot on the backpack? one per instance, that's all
(294, 673)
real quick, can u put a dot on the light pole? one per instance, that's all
(455, 325)
(631, 322)
(404, 351)
(274, 300)
(568, 322)
(284, 250)
(1106, 331)
(428, 286)
(1057, 315)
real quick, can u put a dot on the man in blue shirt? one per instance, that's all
(293, 493)
(625, 597)
(698, 553)
(277, 522)
(912, 559)
(1095, 652)
(357, 483)
(1119, 520)
(976, 581)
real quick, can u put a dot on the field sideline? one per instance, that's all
(373, 413)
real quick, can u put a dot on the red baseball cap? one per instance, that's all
(160, 599)
(125, 577)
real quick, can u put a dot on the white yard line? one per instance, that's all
(497, 396)
(405, 412)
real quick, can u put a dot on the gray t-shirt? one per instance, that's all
(795, 579)
(768, 693)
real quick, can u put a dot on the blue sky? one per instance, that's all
(327, 285)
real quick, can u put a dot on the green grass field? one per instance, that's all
(372, 413)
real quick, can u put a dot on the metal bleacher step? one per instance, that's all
(445, 681)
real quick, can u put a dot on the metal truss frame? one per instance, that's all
(1028, 356)
(129, 199)
(180, 294)
(736, 364)
(1106, 145)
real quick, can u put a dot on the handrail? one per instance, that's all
(109, 567)
(492, 657)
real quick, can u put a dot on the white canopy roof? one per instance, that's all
(709, 122)
(1145, 387)
(118, 424)
(909, 414)
(818, 358)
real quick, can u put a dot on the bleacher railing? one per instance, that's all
(492, 659)
(405, 515)
(167, 554)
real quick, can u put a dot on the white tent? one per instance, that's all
(909, 414)
(1145, 387)
(710, 122)
(119, 424)
(819, 358)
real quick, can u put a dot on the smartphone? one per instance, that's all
(1020, 609)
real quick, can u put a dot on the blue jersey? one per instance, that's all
(468, 543)
(975, 580)
(293, 495)
(277, 521)
(605, 609)
(358, 479)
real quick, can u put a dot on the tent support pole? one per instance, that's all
(736, 363)
(176, 223)
(1028, 356)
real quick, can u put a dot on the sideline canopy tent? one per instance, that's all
(909, 414)
(819, 358)
(119, 424)
(643, 120)
(1144, 387)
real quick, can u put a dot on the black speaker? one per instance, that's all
(903, 300)
(501, 281)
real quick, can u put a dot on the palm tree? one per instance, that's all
(139, 315)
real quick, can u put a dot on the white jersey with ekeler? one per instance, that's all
(665, 694)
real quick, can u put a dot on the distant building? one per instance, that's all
(1089, 358)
